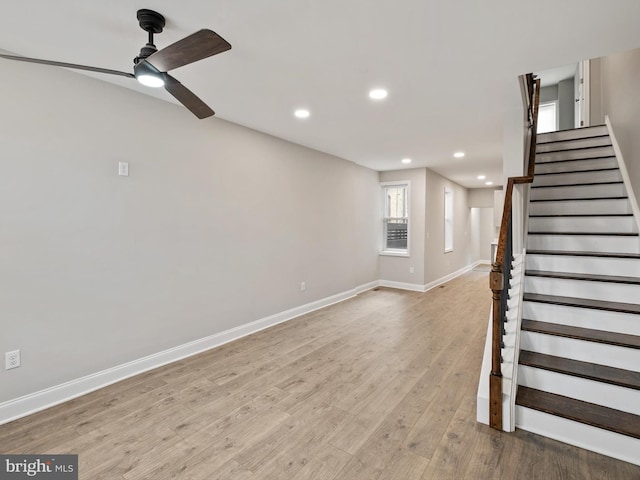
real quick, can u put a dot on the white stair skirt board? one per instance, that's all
(573, 144)
(596, 152)
(37, 401)
(576, 165)
(612, 396)
(578, 178)
(585, 436)
(628, 267)
(587, 132)
(577, 207)
(591, 352)
(619, 322)
(603, 190)
(594, 290)
(584, 243)
(626, 224)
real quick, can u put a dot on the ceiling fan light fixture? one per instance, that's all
(152, 81)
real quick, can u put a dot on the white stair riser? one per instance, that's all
(612, 396)
(577, 207)
(628, 267)
(591, 352)
(578, 178)
(575, 433)
(573, 144)
(596, 152)
(573, 134)
(579, 191)
(607, 291)
(583, 243)
(619, 322)
(576, 165)
(583, 224)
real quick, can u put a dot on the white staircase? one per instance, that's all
(579, 360)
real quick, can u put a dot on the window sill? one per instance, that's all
(390, 253)
(449, 250)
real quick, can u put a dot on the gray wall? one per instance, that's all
(566, 104)
(437, 263)
(481, 197)
(619, 78)
(482, 232)
(216, 226)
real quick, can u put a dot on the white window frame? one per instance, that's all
(448, 220)
(556, 111)
(396, 252)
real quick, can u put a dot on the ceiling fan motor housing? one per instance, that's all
(151, 22)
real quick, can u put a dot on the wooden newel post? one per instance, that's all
(496, 283)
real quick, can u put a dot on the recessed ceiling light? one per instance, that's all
(302, 113)
(406, 160)
(378, 93)
(458, 154)
(488, 183)
(481, 177)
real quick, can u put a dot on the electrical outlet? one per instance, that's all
(123, 169)
(303, 286)
(12, 359)
(412, 270)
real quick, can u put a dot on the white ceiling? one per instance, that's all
(450, 66)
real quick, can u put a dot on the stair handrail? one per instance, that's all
(504, 255)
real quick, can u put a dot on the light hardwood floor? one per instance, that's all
(381, 386)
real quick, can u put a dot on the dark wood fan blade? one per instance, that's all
(197, 46)
(187, 97)
(68, 65)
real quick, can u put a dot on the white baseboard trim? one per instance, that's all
(415, 287)
(43, 399)
(449, 277)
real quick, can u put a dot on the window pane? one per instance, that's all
(396, 234)
(396, 202)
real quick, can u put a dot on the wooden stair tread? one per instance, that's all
(584, 254)
(583, 303)
(584, 276)
(579, 333)
(577, 184)
(576, 368)
(604, 169)
(581, 199)
(595, 234)
(580, 215)
(541, 136)
(575, 148)
(588, 413)
(581, 159)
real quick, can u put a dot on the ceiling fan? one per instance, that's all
(151, 65)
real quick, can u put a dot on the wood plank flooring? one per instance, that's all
(378, 387)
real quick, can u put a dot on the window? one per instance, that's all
(395, 218)
(448, 220)
(547, 117)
